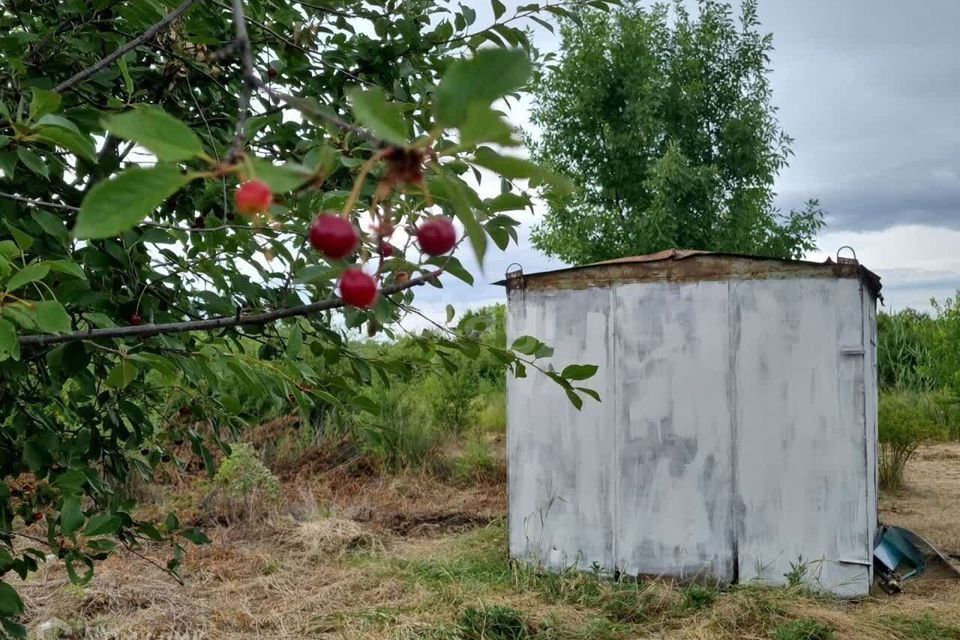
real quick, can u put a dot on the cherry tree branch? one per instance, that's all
(211, 324)
(149, 34)
(37, 203)
(310, 109)
(242, 44)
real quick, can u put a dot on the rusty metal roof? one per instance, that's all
(690, 265)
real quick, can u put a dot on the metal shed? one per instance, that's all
(736, 439)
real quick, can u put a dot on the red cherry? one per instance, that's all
(333, 236)
(437, 236)
(136, 320)
(386, 249)
(253, 197)
(37, 517)
(357, 288)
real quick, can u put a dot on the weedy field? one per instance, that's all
(344, 552)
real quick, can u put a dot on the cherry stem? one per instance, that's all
(360, 179)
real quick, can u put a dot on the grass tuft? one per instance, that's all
(803, 629)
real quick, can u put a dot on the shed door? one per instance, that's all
(674, 492)
(560, 460)
(799, 433)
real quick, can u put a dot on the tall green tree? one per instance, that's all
(665, 120)
(164, 165)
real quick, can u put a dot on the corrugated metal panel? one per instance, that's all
(735, 437)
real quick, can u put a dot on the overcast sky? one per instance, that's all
(870, 90)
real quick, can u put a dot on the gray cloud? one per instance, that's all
(870, 90)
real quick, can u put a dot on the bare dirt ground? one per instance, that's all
(354, 556)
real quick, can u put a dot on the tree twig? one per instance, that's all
(246, 61)
(37, 203)
(210, 324)
(149, 34)
(306, 107)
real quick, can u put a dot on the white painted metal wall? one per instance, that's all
(736, 437)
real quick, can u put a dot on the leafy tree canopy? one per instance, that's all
(664, 119)
(143, 312)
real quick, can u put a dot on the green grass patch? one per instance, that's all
(803, 629)
(924, 627)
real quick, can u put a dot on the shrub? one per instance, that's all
(803, 629)
(450, 396)
(906, 422)
(492, 412)
(243, 488)
(904, 341)
(401, 432)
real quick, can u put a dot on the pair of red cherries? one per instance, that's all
(336, 237)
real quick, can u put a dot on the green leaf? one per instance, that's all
(172, 523)
(71, 481)
(8, 164)
(75, 578)
(490, 74)
(102, 524)
(195, 536)
(33, 161)
(67, 267)
(452, 266)
(590, 392)
(14, 629)
(30, 273)
(9, 249)
(163, 135)
(21, 313)
(451, 312)
(51, 223)
(42, 103)
(121, 375)
(24, 241)
(51, 120)
(74, 142)
(453, 191)
(125, 72)
(52, 317)
(384, 119)
(115, 205)
(513, 167)
(294, 342)
(10, 602)
(579, 371)
(157, 364)
(508, 201)
(71, 516)
(484, 124)
(498, 9)
(527, 345)
(530, 346)
(9, 347)
(575, 400)
(280, 178)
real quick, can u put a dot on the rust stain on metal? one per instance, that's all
(675, 265)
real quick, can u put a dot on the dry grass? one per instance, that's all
(352, 556)
(929, 502)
